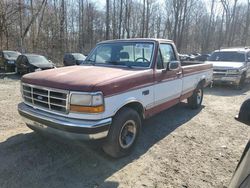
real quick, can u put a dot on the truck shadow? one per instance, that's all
(29, 160)
(226, 91)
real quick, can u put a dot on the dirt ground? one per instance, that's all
(177, 148)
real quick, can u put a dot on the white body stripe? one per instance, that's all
(158, 93)
(190, 82)
(168, 90)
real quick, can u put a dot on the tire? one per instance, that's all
(242, 82)
(196, 99)
(123, 133)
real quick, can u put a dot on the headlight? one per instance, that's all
(10, 62)
(90, 103)
(233, 71)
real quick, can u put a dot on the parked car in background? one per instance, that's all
(231, 66)
(193, 56)
(8, 60)
(27, 63)
(184, 57)
(202, 57)
(121, 83)
(73, 59)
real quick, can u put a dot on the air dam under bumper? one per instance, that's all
(39, 120)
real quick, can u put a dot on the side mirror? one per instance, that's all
(248, 59)
(173, 65)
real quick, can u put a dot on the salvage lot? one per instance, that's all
(177, 148)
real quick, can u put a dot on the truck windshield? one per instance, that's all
(227, 56)
(130, 54)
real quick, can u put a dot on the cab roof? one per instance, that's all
(234, 49)
(137, 40)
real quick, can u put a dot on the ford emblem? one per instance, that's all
(40, 97)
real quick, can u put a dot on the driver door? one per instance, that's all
(168, 83)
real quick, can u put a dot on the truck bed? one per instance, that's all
(186, 63)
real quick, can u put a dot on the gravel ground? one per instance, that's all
(178, 148)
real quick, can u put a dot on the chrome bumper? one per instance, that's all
(235, 79)
(41, 121)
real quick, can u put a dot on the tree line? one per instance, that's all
(52, 27)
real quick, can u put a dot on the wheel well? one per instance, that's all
(202, 82)
(137, 107)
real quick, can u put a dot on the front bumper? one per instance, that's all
(41, 121)
(227, 79)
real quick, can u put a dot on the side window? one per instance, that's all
(24, 60)
(66, 57)
(167, 53)
(103, 54)
(71, 57)
(248, 57)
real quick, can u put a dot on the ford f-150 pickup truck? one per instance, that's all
(120, 83)
(231, 66)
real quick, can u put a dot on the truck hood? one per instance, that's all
(90, 78)
(226, 64)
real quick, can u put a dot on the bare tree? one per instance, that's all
(107, 20)
(56, 26)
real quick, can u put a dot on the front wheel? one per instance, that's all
(196, 99)
(123, 133)
(242, 82)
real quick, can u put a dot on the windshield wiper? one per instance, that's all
(119, 63)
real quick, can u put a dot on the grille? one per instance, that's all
(220, 70)
(46, 98)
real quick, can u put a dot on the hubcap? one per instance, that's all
(127, 134)
(199, 96)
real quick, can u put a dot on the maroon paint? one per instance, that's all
(110, 80)
(152, 111)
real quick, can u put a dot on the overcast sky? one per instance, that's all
(102, 3)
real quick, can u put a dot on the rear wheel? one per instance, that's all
(196, 99)
(123, 133)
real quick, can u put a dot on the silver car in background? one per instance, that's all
(231, 66)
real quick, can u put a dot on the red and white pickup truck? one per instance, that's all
(120, 83)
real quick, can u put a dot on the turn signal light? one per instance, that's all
(87, 109)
